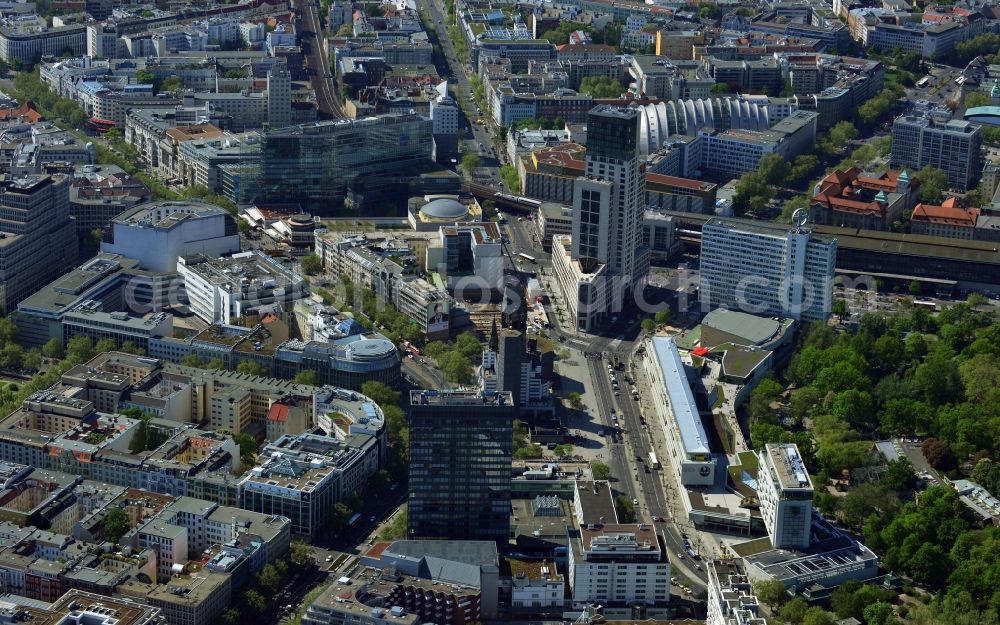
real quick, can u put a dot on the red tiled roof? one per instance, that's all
(845, 205)
(948, 214)
(26, 110)
(278, 412)
(886, 182)
(674, 181)
(837, 189)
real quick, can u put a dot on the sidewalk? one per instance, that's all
(585, 424)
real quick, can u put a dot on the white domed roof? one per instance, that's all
(445, 208)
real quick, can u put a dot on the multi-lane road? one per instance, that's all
(629, 446)
(627, 458)
(478, 140)
(627, 452)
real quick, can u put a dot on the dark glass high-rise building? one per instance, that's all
(612, 134)
(324, 164)
(460, 465)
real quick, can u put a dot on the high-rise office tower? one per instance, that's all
(952, 146)
(37, 236)
(598, 266)
(767, 269)
(460, 464)
(279, 97)
(510, 362)
(786, 495)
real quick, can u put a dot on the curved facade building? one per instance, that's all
(445, 210)
(658, 122)
(347, 362)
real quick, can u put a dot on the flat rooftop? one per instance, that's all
(753, 226)
(66, 290)
(596, 503)
(459, 398)
(788, 466)
(751, 329)
(682, 403)
(613, 536)
(241, 270)
(353, 595)
(167, 214)
(188, 591)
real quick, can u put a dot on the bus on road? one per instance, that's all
(355, 519)
(923, 82)
(653, 462)
(526, 258)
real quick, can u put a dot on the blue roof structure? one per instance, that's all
(989, 115)
(682, 403)
(347, 327)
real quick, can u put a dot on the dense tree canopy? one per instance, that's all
(601, 87)
(913, 373)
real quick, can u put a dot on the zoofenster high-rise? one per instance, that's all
(605, 257)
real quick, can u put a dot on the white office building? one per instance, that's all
(102, 40)
(444, 112)
(952, 146)
(767, 269)
(675, 407)
(597, 268)
(221, 290)
(614, 563)
(470, 255)
(157, 233)
(735, 152)
(730, 596)
(786, 495)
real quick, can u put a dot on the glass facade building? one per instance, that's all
(612, 133)
(322, 165)
(460, 465)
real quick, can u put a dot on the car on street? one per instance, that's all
(635, 502)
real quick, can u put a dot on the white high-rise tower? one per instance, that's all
(786, 495)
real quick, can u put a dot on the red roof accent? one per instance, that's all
(674, 181)
(378, 548)
(700, 351)
(26, 110)
(269, 318)
(278, 412)
(837, 190)
(948, 214)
